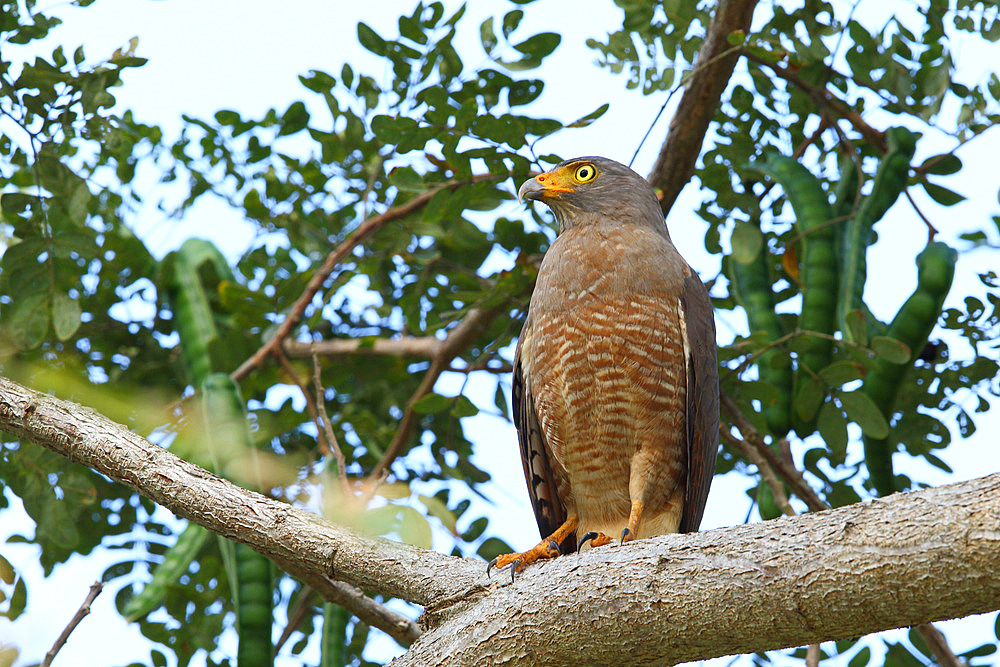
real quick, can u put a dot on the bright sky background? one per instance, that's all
(246, 56)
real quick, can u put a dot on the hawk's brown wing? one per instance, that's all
(702, 399)
(549, 511)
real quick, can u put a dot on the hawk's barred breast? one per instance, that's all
(608, 376)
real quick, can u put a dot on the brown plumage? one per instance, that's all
(615, 386)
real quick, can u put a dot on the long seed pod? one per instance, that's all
(818, 272)
(751, 286)
(911, 326)
(890, 181)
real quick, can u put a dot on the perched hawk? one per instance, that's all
(615, 390)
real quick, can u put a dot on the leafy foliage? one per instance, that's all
(89, 312)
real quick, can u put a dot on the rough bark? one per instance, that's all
(900, 561)
(713, 67)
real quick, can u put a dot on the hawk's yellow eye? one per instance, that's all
(584, 173)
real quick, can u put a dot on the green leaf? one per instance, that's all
(438, 509)
(809, 398)
(65, 315)
(371, 40)
(29, 320)
(856, 324)
(432, 404)
(890, 349)
(941, 195)
(464, 408)
(590, 117)
(841, 372)
(747, 242)
(487, 36)
(832, 427)
(941, 165)
(862, 411)
(861, 658)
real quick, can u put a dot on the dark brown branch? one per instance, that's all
(95, 590)
(702, 93)
(938, 645)
(364, 231)
(825, 100)
(397, 626)
(763, 467)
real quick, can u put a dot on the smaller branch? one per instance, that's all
(327, 428)
(765, 470)
(931, 229)
(324, 445)
(824, 99)
(302, 608)
(407, 346)
(789, 473)
(365, 230)
(95, 590)
(354, 600)
(813, 655)
(474, 323)
(938, 645)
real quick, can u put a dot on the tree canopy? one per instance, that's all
(330, 363)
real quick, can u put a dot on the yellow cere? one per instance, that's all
(585, 173)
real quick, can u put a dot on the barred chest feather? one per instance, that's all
(608, 374)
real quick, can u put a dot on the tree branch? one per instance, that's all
(901, 561)
(365, 230)
(460, 337)
(81, 613)
(700, 100)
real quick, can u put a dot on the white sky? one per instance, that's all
(246, 56)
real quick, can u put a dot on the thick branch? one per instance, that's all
(300, 543)
(905, 560)
(702, 93)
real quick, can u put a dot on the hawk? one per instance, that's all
(615, 387)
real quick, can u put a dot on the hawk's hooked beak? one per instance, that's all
(542, 187)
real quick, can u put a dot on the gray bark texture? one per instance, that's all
(911, 558)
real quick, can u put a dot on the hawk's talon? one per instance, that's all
(625, 533)
(555, 547)
(586, 538)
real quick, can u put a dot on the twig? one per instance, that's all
(302, 608)
(813, 655)
(354, 600)
(326, 427)
(325, 446)
(360, 235)
(716, 60)
(789, 473)
(407, 346)
(931, 229)
(765, 470)
(95, 590)
(938, 645)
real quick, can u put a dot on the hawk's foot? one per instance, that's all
(517, 561)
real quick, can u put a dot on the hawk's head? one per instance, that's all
(589, 190)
